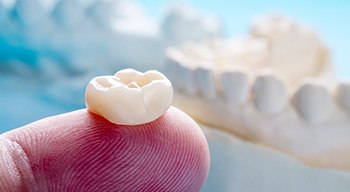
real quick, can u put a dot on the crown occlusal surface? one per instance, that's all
(129, 97)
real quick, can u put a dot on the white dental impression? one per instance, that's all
(75, 34)
(255, 87)
(294, 47)
(130, 97)
(183, 23)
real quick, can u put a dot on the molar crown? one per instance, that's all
(270, 93)
(130, 97)
(313, 102)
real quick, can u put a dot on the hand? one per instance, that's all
(81, 151)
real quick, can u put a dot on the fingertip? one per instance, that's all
(83, 151)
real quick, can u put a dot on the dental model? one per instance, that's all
(293, 47)
(252, 88)
(63, 36)
(130, 97)
(183, 23)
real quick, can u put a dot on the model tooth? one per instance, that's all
(103, 11)
(184, 79)
(181, 76)
(235, 86)
(29, 12)
(343, 95)
(204, 82)
(3, 13)
(295, 49)
(313, 102)
(183, 24)
(270, 93)
(130, 97)
(68, 12)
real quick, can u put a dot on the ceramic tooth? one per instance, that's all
(129, 97)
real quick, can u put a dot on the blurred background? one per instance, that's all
(49, 50)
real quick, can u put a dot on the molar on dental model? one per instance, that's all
(29, 13)
(313, 101)
(180, 74)
(270, 93)
(204, 82)
(343, 95)
(130, 97)
(294, 47)
(183, 24)
(235, 86)
(68, 13)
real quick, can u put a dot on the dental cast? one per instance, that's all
(129, 97)
(253, 91)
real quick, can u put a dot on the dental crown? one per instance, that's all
(129, 97)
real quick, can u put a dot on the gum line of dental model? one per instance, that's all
(129, 97)
(312, 100)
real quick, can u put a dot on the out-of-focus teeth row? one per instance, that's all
(312, 101)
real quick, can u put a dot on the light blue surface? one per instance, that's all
(25, 99)
(240, 166)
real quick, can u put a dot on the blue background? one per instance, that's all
(25, 101)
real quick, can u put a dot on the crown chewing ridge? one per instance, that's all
(129, 97)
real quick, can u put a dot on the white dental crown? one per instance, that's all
(129, 97)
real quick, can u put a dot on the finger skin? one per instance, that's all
(81, 151)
